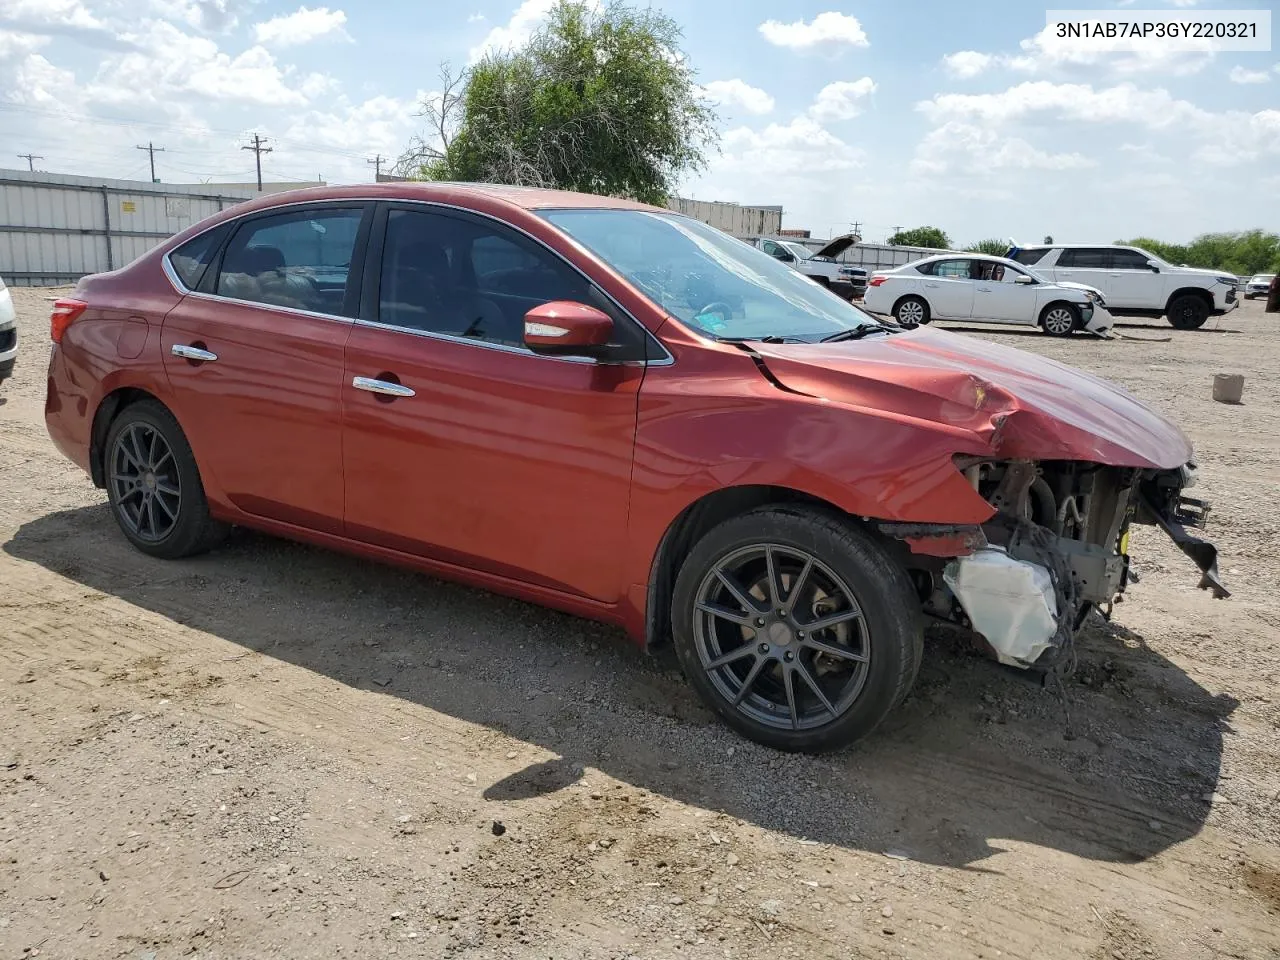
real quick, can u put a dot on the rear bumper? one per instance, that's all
(8, 349)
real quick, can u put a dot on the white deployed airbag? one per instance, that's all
(1010, 602)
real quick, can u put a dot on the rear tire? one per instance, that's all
(796, 627)
(1188, 312)
(154, 486)
(911, 310)
(1060, 319)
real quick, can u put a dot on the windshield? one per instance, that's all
(720, 286)
(798, 250)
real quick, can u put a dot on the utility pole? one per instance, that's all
(152, 150)
(857, 229)
(31, 159)
(258, 150)
(377, 166)
(896, 230)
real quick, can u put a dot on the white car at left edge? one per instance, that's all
(972, 286)
(8, 334)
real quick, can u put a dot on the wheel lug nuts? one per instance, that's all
(790, 656)
(800, 634)
(759, 621)
(764, 648)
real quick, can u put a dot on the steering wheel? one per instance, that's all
(717, 306)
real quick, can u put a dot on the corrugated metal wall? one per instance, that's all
(55, 229)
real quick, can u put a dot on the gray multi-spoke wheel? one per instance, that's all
(145, 484)
(911, 310)
(154, 486)
(1060, 319)
(796, 627)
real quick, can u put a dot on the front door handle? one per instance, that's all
(932, 285)
(193, 353)
(384, 387)
(984, 289)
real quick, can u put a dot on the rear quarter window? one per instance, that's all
(192, 259)
(1030, 257)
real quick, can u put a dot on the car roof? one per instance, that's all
(1077, 246)
(961, 255)
(529, 198)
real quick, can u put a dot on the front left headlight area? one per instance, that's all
(1055, 548)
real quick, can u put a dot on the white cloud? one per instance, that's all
(973, 149)
(49, 14)
(302, 26)
(800, 148)
(14, 45)
(827, 31)
(842, 100)
(968, 63)
(476, 18)
(1239, 74)
(738, 93)
(169, 67)
(527, 18)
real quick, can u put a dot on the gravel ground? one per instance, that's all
(274, 751)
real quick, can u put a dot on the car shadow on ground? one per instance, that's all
(973, 760)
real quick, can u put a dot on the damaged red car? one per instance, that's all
(622, 413)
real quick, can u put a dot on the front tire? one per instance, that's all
(911, 310)
(1060, 319)
(796, 627)
(154, 486)
(1188, 312)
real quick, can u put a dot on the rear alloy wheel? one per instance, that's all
(796, 628)
(910, 310)
(1188, 312)
(154, 486)
(1060, 319)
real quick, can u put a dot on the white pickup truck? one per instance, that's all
(1136, 283)
(820, 266)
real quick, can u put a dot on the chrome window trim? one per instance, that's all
(172, 275)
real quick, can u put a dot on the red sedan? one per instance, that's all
(619, 412)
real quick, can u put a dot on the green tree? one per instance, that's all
(930, 237)
(1242, 254)
(600, 99)
(992, 246)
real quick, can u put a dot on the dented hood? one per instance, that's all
(1018, 405)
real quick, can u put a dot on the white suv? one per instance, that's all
(8, 334)
(1136, 283)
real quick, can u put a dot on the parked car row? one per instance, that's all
(523, 390)
(980, 287)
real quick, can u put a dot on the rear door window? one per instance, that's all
(955, 269)
(1089, 258)
(299, 260)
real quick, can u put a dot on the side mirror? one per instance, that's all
(1023, 279)
(563, 327)
(1155, 267)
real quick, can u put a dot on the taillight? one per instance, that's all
(65, 312)
(876, 281)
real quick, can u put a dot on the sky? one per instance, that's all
(967, 116)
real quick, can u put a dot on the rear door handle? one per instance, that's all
(384, 387)
(193, 353)
(933, 285)
(984, 289)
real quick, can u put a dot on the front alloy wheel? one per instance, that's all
(781, 636)
(1059, 320)
(796, 627)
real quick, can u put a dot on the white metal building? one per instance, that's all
(54, 229)
(738, 221)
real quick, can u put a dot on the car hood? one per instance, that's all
(1015, 405)
(1072, 285)
(837, 246)
(1200, 272)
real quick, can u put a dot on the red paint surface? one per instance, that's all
(555, 479)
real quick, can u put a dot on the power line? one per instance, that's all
(258, 150)
(31, 159)
(152, 150)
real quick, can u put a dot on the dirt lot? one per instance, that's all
(274, 751)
